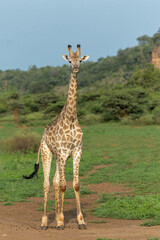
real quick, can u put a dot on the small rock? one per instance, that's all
(4, 235)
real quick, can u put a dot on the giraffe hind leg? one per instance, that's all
(76, 186)
(61, 216)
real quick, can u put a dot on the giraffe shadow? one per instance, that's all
(69, 216)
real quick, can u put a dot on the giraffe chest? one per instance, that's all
(64, 136)
(69, 135)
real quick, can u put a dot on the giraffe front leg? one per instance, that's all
(59, 185)
(46, 160)
(76, 186)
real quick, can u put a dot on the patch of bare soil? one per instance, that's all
(22, 221)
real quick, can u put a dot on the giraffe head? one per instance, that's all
(75, 58)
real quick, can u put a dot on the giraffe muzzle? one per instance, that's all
(75, 70)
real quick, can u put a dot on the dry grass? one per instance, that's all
(21, 143)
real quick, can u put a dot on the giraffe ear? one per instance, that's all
(65, 57)
(84, 58)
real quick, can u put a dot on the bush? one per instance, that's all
(126, 120)
(156, 115)
(88, 97)
(55, 108)
(24, 143)
(147, 78)
(145, 120)
(96, 108)
(22, 120)
(90, 118)
(124, 102)
(2, 108)
(80, 113)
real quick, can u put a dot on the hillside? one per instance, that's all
(102, 86)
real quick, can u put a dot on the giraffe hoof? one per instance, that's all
(60, 227)
(82, 226)
(44, 228)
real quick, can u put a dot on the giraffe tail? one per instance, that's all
(36, 167)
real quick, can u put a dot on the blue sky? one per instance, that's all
(37, 32)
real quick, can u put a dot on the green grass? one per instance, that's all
(128, 207)
(13, 166)
(7, 204)
(69, 193)
(154, 222)
(98, 221)
(153, 238)
(110, 239)
(134, 155)
(13, 187)
(131, 155)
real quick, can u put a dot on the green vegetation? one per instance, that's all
(13, 165)
(98, 221)
(151, 223)
(154, 238)
(121, 88)
(109, 239)
(7, 204)
(131, 155)
(128, 207)
(69, 193)
(23, 143)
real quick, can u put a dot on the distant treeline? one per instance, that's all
(124, 87)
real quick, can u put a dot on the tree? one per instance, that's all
(143, 40)
(146, 78)
(14, 104)
(124, 102)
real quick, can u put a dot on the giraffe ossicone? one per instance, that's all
(63, 138)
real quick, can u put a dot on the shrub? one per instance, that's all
(88, 97)
(90, 118)
(2, 108)
(156, 115)
(96, 108)
(22, 120)
(126, 120)
(147, 78)
(145, 120)
(55, 108)
(81, 113)
(120, 103)
(24, 143)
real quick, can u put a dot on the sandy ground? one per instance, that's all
(22, 221)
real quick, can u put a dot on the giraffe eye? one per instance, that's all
(69, 61)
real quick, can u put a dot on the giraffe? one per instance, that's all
(63, 138)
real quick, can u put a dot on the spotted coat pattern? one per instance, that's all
(63, 138)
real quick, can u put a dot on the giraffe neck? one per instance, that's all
(71, 100)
